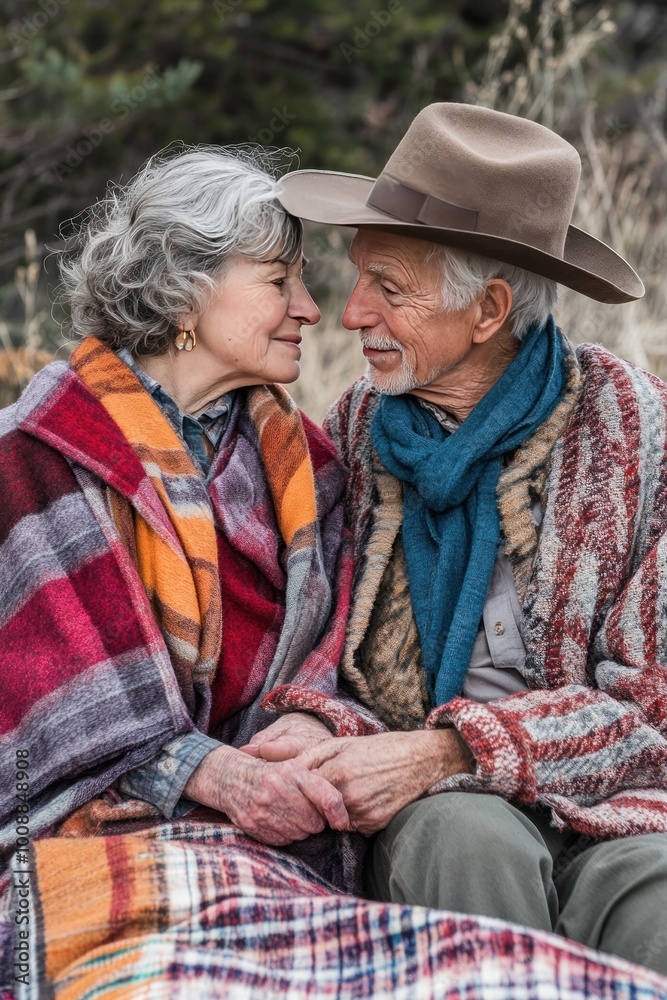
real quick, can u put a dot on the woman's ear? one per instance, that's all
(494, 309)
(188, 321)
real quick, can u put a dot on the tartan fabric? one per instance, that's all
(194, 909)
(589, 739)
(94, 694)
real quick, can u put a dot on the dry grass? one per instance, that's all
(621, 201)
(18, 363)
(17, 366)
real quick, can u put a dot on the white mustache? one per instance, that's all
(379, 343)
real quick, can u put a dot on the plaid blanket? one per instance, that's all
(90, 687)
(198, 910)
(102, 659)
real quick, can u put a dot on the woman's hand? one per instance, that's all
(290, 735)
(276, 803)
(380, 775)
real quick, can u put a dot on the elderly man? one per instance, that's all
(508, 498)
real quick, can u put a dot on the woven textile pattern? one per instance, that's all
(211, 913)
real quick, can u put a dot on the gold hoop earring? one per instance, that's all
(186, 339)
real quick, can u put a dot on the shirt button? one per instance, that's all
(167, 766)
(499, 628)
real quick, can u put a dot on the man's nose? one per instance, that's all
(358, 312)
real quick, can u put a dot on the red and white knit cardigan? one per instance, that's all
(589, 739)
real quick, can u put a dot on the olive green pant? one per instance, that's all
(479, 854)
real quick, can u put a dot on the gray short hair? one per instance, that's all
(465, 274)
(152, 250)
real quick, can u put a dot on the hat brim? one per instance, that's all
(588, 265)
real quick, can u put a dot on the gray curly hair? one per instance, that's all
(153, 250)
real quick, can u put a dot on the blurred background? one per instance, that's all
(90, 88)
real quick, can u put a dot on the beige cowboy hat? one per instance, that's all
(478, 180)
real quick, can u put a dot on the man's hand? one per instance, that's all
(289, 736)
(274, 803)
(380, 775)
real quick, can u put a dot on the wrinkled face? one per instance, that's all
(250, 331)
(408, 341)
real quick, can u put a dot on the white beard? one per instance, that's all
(395, 383)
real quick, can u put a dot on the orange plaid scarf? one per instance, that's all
(179, 565)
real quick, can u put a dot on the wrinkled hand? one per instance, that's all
(289, 736)
(274, 803)
(380, 775)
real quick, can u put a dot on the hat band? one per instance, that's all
(402, 202)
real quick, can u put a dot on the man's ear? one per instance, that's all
(494, 308)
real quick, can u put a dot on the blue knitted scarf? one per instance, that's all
(451, 524)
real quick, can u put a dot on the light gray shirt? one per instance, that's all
(499, 655)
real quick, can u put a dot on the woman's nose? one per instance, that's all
(305, 309)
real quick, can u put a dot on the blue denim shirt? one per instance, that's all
(161, 781)
(191, 430)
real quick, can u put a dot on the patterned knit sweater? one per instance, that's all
(589, 739)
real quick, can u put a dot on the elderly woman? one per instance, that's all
(172, 542)
(173, 563)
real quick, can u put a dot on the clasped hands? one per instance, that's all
(293, 778)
